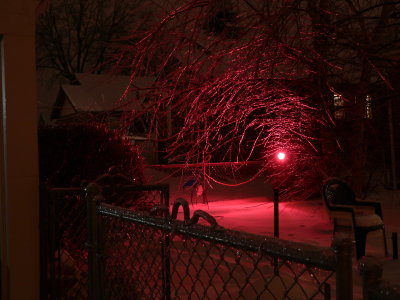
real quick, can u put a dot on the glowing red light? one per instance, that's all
(281, 155)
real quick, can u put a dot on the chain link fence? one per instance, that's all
(63, 237)
(93, 249)
(135, 255)
(64, 231)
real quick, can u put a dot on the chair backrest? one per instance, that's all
(336, 191)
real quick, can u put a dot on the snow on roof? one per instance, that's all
(98, 93)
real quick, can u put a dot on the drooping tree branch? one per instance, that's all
(246, 79)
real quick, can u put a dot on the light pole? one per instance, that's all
(281, 156)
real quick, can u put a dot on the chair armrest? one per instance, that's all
(375, 205)
(341, 207)
(344, 208)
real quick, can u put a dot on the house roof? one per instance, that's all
(99, 93)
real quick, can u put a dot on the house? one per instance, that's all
(104, 98)
(95, 95)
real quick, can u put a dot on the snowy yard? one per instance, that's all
(249, 208)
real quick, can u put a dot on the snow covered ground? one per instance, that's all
(249, 207)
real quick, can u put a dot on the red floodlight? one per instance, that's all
(281, 156)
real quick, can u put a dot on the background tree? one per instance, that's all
(358, 44)
(246, 79)
(76, 36)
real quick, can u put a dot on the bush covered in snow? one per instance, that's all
(75, 153)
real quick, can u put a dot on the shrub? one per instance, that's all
(72, 154)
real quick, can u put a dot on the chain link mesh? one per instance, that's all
(144, 261)
(131, 198)
(227, 273)
(134, 268)
(64, 234)
(67, 255)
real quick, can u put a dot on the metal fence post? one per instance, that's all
(343, 247)
(371, 274)
(165, 197)
(53, 244)
(276, 213)
(44, 214)
(327, 291)
(165, 253)
(99, 242)
(93, 197)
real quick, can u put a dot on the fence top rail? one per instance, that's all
(136, 187)
(108, 188)
(313, 256)
(66, 190)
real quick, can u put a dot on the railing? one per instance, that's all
(135, 255)
(64, 231)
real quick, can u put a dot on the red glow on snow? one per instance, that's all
(281, 155)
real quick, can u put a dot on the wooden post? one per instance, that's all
(343, 247)
(371, 273)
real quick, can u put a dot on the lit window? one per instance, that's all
(338, 104)
(368, 107)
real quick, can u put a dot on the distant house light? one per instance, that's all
(368, 107)
(338, 104)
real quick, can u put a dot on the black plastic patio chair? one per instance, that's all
(362, 217)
